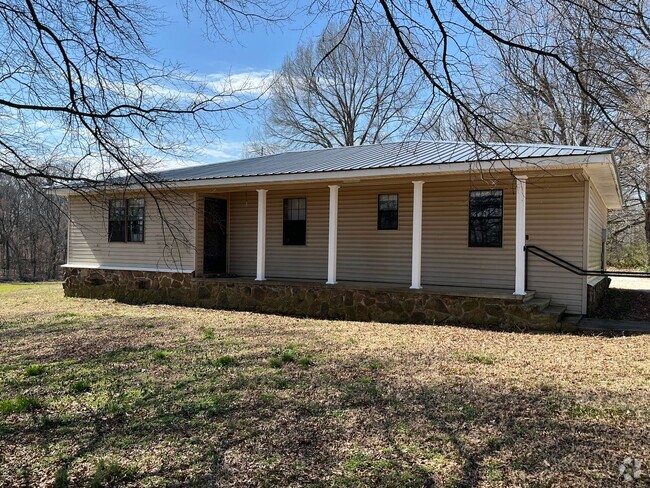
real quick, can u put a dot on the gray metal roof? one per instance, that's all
(387, 155)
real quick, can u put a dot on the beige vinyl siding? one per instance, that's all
(447, 258)
(297, 262)
(243, 233)
(364, 252)
(555, 223)
(301, 262)
(168, 242)
(597, 222)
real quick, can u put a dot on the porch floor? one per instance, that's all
(442, 290)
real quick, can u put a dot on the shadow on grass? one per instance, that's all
(244, 407)
(76, 337)
(340, 424)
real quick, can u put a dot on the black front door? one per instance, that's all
(215, 236)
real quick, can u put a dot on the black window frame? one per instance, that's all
(292, 226)
(474, 218)
(381, 212)
(126, 223)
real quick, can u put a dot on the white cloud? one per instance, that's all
(187, 86)
(253, 82)
(216, 153)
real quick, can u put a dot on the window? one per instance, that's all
(294, 230)
(126, 220)
(135, 211)
(486, 218)
(387, 210)
(116, 221)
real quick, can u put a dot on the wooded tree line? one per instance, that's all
(84, 98)
(32, 232)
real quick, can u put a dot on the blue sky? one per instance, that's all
(253, 54)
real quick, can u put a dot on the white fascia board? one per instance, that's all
(605, 178)
(617, 177)
(420, 170)
(531, 164)
(127, 268)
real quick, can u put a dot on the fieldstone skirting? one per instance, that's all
(316, 300)
(596, 292)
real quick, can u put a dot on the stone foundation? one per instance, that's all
(316, 300)
(596, 293)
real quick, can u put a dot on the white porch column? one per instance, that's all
(520, 237)
(333, 234)
(261, 235)
(416, 263)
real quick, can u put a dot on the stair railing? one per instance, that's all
(564, 264)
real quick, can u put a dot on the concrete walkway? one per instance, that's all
(609, 325)
(630, 283)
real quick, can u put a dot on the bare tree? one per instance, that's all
(531, 98)
(352, 86)
(575, 84)
(83, 97)
(32, 232)
(84, 101)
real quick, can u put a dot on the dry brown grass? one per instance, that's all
(159, 395)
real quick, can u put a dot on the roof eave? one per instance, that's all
(530, 164)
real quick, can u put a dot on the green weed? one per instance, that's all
(61, 478)
(19, 404)
(81, 386)
(160, 355)
(35, 370)
(225, 361)
(111, 473)
(478, 358)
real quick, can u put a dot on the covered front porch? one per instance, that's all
(343, 242)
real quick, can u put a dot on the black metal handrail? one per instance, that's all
(563, 263)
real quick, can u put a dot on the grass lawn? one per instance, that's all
(97, 393)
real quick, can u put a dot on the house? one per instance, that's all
(423, 231)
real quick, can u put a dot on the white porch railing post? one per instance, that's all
(261, 235)
(333, 234)
(520, 237)
(416, 262)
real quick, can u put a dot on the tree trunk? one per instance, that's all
(647, 235)
(7, 259)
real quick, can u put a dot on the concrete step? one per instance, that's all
(569, 322)
(546, 316)
(539, 303)
(529, 296)
(571, 319)
(555, 310)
